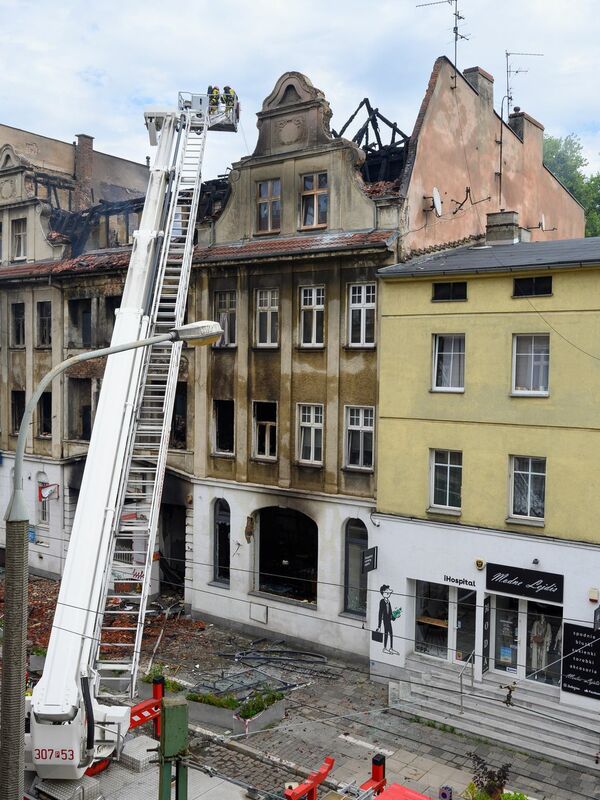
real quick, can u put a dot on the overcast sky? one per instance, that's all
(92, 66)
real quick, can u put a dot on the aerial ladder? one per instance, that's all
(115, 524)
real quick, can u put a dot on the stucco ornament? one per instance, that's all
(290, 130)
(7, 188)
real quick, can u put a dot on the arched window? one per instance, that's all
(221, 542)
(355, 580)
(288, 554)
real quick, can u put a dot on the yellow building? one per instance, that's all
(487, 462)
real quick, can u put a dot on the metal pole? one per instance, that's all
(12, 697)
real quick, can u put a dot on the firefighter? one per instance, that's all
(228, 98)
(213, 99)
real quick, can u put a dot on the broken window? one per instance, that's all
(288, 554)
(44, 415)
(312, 313)
(224, 426)
(268, 219)
(17, 409)
(225, 309)
(178, 439)
(267, 317)
(314, 200)
(80, 408)
(19, 239)
(221, 544)
(265, 430)
(44, 324)
(17, 328)
(355, 580)
(80, 323)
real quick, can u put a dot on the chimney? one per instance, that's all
(528, 129)
(502, 228)
(482, 82)
(84, 165)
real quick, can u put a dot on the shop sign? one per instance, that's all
(525, 582)
(369, 559)
(581, 661)
(459, 581)
(487, 613)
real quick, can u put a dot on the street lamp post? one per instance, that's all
(12, 710)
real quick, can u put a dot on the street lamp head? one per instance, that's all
(198, 334)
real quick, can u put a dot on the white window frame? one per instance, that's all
(529, 392)
(18, 239)
(434, 365)
(433, 463)
(362, 306)
(310, 417)
(527, 518)
(348, 426)
(222, 315)
(268, 426)
(316, 305)
(270, 308)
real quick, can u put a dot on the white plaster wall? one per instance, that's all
(323, 623)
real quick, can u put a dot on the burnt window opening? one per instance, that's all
(288, 554)
(448, 291)
(224, 426)
(17, 409)
(80, 408)
(44, 415)
(533, 286)
(44, 324)
(355, 580)
(80, 323)
(265, 430)
(17, 327)
(178, 439)
(111, 304)
(221, 570)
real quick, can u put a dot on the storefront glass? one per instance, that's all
(506, 639)
(544, 642)
(431, 628)
(465, 623)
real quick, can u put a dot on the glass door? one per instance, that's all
(544, 642)
(506, 634)
(466, 607)
(431, 623)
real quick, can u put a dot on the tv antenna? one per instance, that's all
(513, 71)
(458, 18)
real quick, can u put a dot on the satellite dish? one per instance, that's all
(437, 201)
(543, 222)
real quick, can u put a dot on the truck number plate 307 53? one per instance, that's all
(49, 753)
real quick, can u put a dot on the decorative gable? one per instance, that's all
(8, 158)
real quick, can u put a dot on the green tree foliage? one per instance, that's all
(564, 157)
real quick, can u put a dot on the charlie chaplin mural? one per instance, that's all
(387, 615)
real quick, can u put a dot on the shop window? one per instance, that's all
(267, 317)
(44, 324)
(506, 638)
(310, 434)
(80, 408)
(17, 325)
(221, 570)
(312, 314)
(178, 438)
(360, 424)
(531, 287)
(80, 323)
(265, 430)
(288, 554)
(268, 217)
(448, 362)
(446, 291)
(224, 426)
(431, 625)
(19, 239)
(44, 415)
(314, 200)
(17, 409)
(531, 362)
(466, 610)
(225, 315)
(528, 487)
(544, 643)
(446, 479)
(361, 315)
(355, 580)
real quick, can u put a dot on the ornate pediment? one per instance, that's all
(9, 158)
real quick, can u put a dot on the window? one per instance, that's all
(221, 570)
(288, 554)
(312, 313)
(80, 408)
(456, 290)
(43, 503)
(267, 317)
(44, 415)
(528, 487)
(265, 430)
(268, 218)
(310, 434)
(361, 318)
(0, 241)
(17, 311)
(314, 200)
(224, 426)
(531, 360)
(225, 308)
(446, 479)
(44, 324)
(355, 580)
(17, 409)
(360, 424)
(449, 362)
(111, 304)
(80, 323)
(19, 239)
(529, 287)
(178, 439)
